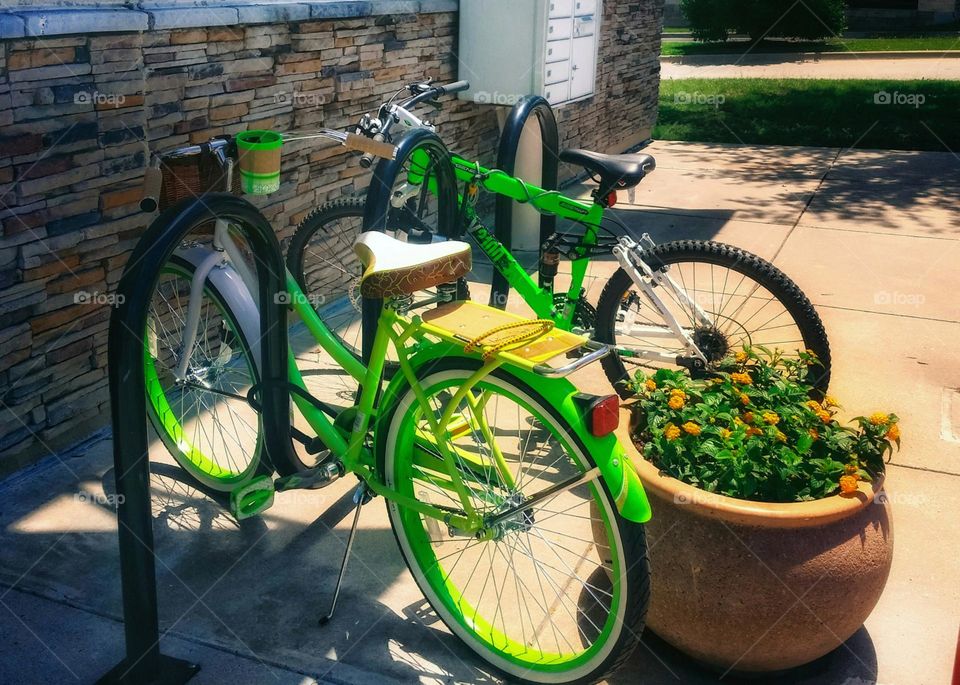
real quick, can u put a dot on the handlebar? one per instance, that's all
(421, 93)
(366, 161)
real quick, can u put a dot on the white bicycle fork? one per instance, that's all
(628, 253)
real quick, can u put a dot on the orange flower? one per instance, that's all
(675, 402)
(677, 392)
(741, 378)
(671, 432)
(879, 418)
(650, 384)
(848, 484)
(815, 406)
(825, 416)
(753, 431)
(748, 417)
(850, 469)
(893, 433)
(691, 428)
(814, 434)
(771, 418)
(744, 400)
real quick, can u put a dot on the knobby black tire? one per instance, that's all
(761, 271)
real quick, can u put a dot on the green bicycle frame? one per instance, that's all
(590, 215)
(348, 444)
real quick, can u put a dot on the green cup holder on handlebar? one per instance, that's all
(259, 161)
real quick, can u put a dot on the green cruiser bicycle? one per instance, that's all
(513, 504)
(682, 303)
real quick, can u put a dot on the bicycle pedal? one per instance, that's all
(319, 476)
(252, 499)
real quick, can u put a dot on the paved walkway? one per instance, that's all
(872, 237)
(737, 66)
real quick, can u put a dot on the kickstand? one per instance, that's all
(360, 497)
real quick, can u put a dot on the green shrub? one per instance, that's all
(752, 432)
(809, 20)
(710, 20)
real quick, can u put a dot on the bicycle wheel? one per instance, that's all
(321, 259)
(203, 420)
(750, 301)
(559, 593)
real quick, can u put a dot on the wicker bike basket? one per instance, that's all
(194, 175)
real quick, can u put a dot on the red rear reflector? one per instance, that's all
(612, 198)
(604, 416)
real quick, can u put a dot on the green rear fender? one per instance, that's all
(615, 466)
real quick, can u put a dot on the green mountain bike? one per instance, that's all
(682, 303)
(514, 506)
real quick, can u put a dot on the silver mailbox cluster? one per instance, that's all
(548, 47)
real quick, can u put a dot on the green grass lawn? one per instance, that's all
(829, 45)
(817, 112)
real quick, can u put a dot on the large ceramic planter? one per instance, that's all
(757, 587)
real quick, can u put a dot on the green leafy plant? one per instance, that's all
(752, 431)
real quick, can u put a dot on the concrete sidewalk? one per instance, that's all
(858, 66)
(873, 237)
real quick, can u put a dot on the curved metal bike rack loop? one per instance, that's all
(507, 160)
(377, 208)
(144, 663)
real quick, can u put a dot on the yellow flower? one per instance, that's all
(825, 416)
(814, 434)
(677, 392)
(879, 418)
(748, 417)
(848, 484)
(725, 433)
(675, 402)
(814, 406)
(737, 421)
(781, 437)
(671, 432)
(741, 378)
(753, 431)
(830, 401)
(691, 428)
(744, 400)
(650, 384)
(850, 469)
(771, 418)
(893, 433)
(741, 356)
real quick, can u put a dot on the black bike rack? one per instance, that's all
(144, 664)
(507, 160)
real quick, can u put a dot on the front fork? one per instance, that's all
(629, 253)
(225, 252)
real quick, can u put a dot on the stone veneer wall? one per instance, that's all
(78, 114)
